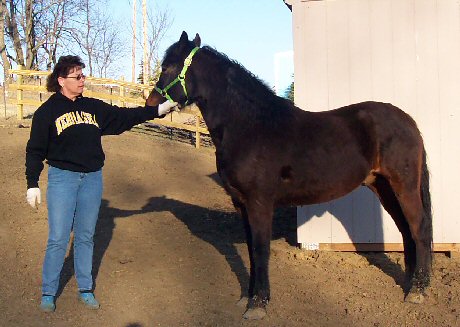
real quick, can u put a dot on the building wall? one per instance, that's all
(406, 52)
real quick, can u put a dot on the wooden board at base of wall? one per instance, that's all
(375, 247)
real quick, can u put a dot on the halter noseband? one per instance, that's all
(180, 78)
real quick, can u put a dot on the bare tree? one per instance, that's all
(33, 29)
(158, 23)
(12, 30)
(29, 36)
(20, 27)
(53, 31)
(133, 50)
(110, 49)
(3, 50)
(84, 31)
(36, 31)
(97, 37)
(145, 68)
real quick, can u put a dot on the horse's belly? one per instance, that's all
(317, 191)
(308, 198)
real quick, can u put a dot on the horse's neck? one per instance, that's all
(222, 104)
(212, 103)
(214, 113)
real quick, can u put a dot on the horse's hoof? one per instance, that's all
(243, 302)
(415, 297)
(255, 313)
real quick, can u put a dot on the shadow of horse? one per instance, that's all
(284, 219)
(222, 229)
(357, 229)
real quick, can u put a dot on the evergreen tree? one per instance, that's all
(289, 93)
(154, 76)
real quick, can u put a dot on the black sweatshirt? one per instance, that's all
(68, 133)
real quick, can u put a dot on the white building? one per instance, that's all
(406, 52)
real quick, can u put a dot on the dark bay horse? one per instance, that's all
(270, 153)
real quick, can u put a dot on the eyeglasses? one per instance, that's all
(78, 77)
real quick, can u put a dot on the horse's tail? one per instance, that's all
(427, 218)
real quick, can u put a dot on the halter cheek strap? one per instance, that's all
(180, 78)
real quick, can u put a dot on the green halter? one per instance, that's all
(180, 78)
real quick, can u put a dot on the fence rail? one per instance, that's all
(121, 92)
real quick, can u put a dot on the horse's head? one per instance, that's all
(176, 79)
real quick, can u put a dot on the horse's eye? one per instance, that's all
(167, 69)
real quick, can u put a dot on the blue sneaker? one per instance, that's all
(88, 299)
(47, 304)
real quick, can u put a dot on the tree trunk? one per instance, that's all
(4, 56)
(13, 32)
(31, 50)
(88, 40)
(133, 52)
(144, 33)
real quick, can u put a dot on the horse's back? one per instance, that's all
(368, 123)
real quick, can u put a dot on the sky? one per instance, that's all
(256, 33)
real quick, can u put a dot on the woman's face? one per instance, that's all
(73, 84)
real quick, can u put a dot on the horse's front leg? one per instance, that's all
(258, 226)
(246, 295)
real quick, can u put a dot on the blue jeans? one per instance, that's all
(73, 201)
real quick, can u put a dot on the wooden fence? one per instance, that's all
(30, 90)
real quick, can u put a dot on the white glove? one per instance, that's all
(166, 107)
(34, 196)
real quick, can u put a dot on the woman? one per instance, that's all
(66, 131)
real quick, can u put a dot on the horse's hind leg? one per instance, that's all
(420, 227)
(381, 187)
(410, 195)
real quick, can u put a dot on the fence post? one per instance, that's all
(40, 95)
(19, 97)
(4, 95)
(197, 125)
(122, 93)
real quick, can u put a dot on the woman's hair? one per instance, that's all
(63, 67)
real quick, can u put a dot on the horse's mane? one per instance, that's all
(240, 74)
(245, 86)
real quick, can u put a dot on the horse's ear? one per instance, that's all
(183, 37)
(197, 40)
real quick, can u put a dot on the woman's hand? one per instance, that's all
(166, 107)
(34, 197)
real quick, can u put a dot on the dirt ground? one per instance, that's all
(169, 251)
